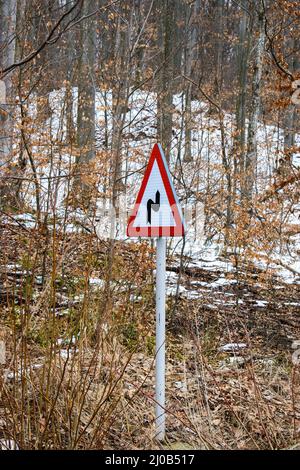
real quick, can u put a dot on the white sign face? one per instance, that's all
(157, 211)
(154, 209)
(2, 92)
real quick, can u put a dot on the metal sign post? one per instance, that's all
(157, 214)
(160, 349)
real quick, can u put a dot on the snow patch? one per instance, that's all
(232, 347)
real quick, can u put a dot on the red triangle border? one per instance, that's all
(171, 231)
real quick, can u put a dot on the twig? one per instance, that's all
(46, 42)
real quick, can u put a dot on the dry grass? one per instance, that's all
(63, 387)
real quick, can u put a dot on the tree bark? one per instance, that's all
(120, 105)
(86, 86)
(291, 113)
(165, 88)
(243, 49)
(251, 156)
(7, 51)
(190, 56)
(86, 104)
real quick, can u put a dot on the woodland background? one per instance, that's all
(87, 88)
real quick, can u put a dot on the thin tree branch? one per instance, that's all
(47, 41)
(285, 71)
(209, 98)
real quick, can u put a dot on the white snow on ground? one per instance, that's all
(231, 347)
(261, 303)
(171, 284)
(135, 298)
(15, 268)
(66, 354)
(95, 281)
(8, 444)
(171, 288)
(222, 282)
(17, 375)
(64, 342)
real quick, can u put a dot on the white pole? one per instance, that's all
(160, 338)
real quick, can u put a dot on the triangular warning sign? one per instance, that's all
(157, 212)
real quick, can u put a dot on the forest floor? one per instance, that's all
(230, 377)
(232, 334)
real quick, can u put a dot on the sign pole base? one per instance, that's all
(160, 353)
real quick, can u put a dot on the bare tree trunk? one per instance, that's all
(121, 77)
(120, 105)
(69, 99)
(190, 53)
(70, 127)
(219, 48)
(291, 112)
(7, 51)
(251, 157)
(165, 89)
(86, 86)
(86, 102)
(243, 49)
